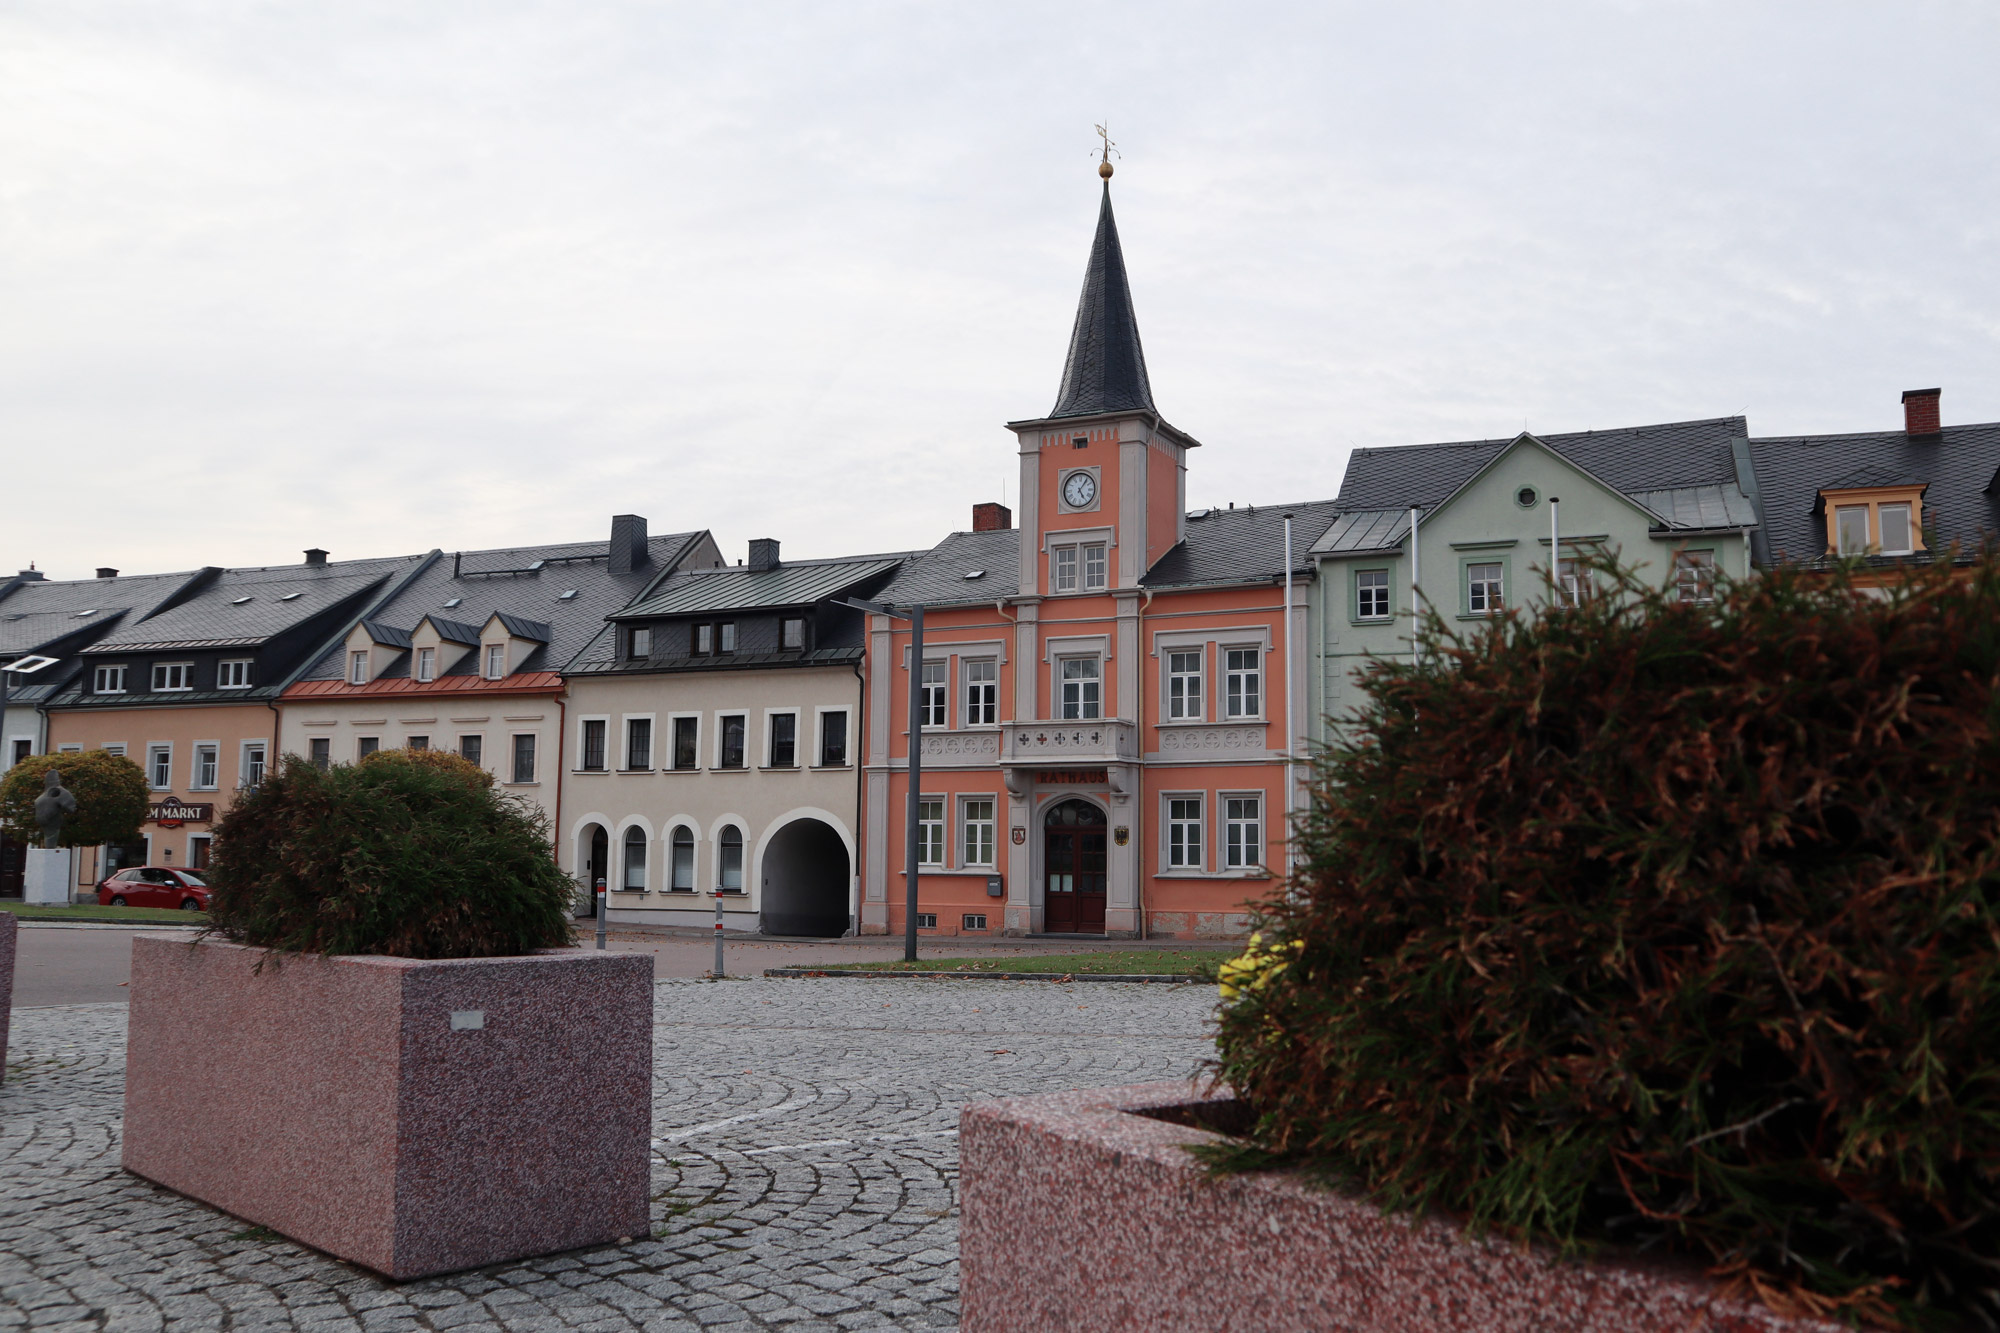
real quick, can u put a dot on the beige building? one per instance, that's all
(711, 745)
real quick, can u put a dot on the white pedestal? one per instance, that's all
(51, 871)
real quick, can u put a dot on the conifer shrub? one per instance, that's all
(1667, 925)
(411, 853)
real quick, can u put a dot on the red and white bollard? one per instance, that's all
(718, 938)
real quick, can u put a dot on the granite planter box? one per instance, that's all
(1078, 1213)
(414, 1117)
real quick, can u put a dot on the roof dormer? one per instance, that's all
(505, 642)
(1874, 517)
(371, 648)
(437, 645)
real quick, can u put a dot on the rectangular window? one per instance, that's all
(593, 746)
(642, 642)
(109, 680)
(23, 748)
(252, 769)
(703, 641)
(931, 706)
(833, 740)
(927, 921)
(168, 676)
(233, 674)
(978, 832)
(426, 664)
(524, 757)
(930, 833)
(729, 860)
(982, 689)
(418, 743)
(207, 765)
(1243, 682)
(1570, 586)
(784, 740)
(973, 921)
(1096, 567)
(1062, 570)
(1371, 594)
(367, 745)
(160, 766)
(725, 637)
(638, 742)
(1894, 521)
(357, 668)
(472, 749)
(496, 660)
(1694, 575)
(792, 633)
(1482, 589)
(732, 741)
(687, 733)
(198, 851)
(1851, 522)
(321, 750)
(1184, 832)
(1184, 683)
(1243, 831)
(1080, 688)
(683, 860)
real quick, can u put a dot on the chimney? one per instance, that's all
(106, 572)
(628, 544)
(763, 554)
(1920, 412)
(315, 556)
(992, 518)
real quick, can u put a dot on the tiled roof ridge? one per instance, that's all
(1871, 434)
(1555, 435)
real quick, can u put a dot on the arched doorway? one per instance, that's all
(595, 870)
(1073, 869)
(806, 878)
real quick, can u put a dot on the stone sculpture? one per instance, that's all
(50, 807)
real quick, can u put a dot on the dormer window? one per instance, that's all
(641, 644)
(1893, 524)
(1874, 520)
(496, 660)
(172, 677)
(357, 668)
(426, 664)
(109, 680)
(792, 633)
(1851, 523)
(233, 674)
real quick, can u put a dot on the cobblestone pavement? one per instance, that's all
(804, 1179)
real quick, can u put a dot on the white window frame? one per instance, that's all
(673, 741)
(982, 696)
(112, 747)
(244, 777)
(721, 738)
(742, 857)
(1367, 594)
(312, 742)
(1235, 695)
(1909, 545)
(186, 670)
(495, 660)
(159, 754)
(238, 667)
(640, 641)
(213, 751)
(480, 738)
(625, 763)
(1177, 854)
(1064, 571)
(1096, 561)
(788, 642)
(1236, 847)
(725, 636)
(934, 707)
(583, 745)
(357, 666)
(426, 665)
(771, 716)
(374, 744)
(534, 739)
(1485, 597)
(931, 841)
(111, 671)
(1186, 702)
(1089, 704)
(1079, 566)
(694, 858)
(1701, 565)
(976, 849)
(819, 737)
(199, 864)
(625, 867)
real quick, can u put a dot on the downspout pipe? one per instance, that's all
(1416, 590)
(1289, 715)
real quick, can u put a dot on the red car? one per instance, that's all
(155, 886)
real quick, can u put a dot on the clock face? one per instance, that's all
(1079, 489)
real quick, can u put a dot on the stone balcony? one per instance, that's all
(1068, 744)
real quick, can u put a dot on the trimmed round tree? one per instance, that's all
(1665, 924)
(110, 790)
(410, 853)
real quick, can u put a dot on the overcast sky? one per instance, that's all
(384, 277)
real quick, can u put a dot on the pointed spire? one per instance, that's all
(1106, 370)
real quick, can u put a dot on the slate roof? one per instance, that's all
(1106, 367)
(937, 577)
(246, 607)
(736, 588)
(500, 581)
(43, 611)
(1242, 545)
(1958, 466)
(1673, 456)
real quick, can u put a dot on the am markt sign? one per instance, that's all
(173, 814)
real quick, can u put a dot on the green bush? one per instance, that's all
(410, 853)
(1669, 925)
(110, 790)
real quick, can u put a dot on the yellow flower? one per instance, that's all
(1254, 968)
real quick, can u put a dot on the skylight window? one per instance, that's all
(290, 595)
(24, 665)
(537, 565)
(975, 573)
(453, 602)
(81, 614)
(238, 601)
(564, 597)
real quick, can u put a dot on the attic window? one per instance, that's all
(1199, 514)
(565, 596)
(81, 614)
(975, 573)
(238, 601)
(536, 565)
(453, 602)
(290, 595)
(24, 665)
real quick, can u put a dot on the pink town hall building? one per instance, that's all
(1107, 690)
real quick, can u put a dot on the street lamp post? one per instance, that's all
(914, 829)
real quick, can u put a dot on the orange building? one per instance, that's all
(1106, 692)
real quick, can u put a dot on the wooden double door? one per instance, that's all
(1073, 869)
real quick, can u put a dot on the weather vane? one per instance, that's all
(1110, 147)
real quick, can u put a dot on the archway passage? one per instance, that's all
(595, 869)
(1073, 869)
(806, 878)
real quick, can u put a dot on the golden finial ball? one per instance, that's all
(1104, 170)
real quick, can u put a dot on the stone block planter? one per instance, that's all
(414, 1117)
(9, 937)
(1080, 1212)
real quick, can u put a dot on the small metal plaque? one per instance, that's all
(468, 1020)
